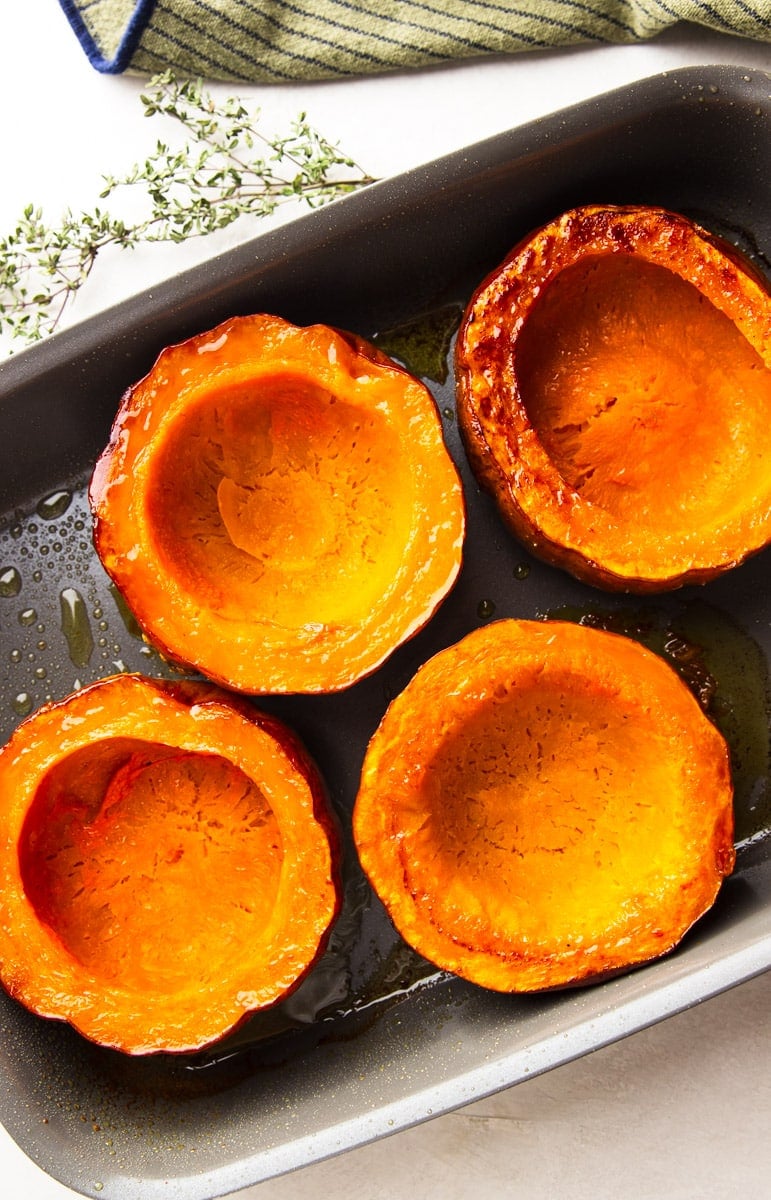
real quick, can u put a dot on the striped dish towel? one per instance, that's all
(271, 41)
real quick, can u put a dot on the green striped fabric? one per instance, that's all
(275, 40)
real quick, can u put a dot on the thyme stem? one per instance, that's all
(226, 168)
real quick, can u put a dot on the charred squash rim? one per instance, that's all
(545, 804)
(549, 511)
(277, 506)
(168, 866)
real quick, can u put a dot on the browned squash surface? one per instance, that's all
(277, 506)
(543, 805)
(614, 379)
(168, 864)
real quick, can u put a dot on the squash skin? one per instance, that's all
(552, 514)
(311, 610)
(184, 977)
(575, 861)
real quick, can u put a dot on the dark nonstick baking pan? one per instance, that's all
(376, 1040)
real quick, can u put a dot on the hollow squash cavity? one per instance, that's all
(614, 390)
(648, 400)
(543, 805)
(129, 843)
(168, 865)
(277, 506)
(532, 791)
(299, 507)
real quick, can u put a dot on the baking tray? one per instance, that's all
(376, 1040)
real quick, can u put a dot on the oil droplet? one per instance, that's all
(76, 627)
(40, 672)
(53, 506)
(37, 576)
(522, 570)
(16, 656)
(126, 615)
(448, 413)
(485, 609)
(10, 581)
(22, 704)
(16, 531)
(27, 616)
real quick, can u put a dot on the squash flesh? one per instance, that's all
(567, 812)
(294, 498)
(277, 506)
(169, 863)
(124, 836)
(553, 799)
(614, 394)
(644, 362)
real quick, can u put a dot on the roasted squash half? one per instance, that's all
(277, 506)
(545, 804)
(167, 867)
(614, 380)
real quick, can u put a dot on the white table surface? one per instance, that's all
(678, 1112)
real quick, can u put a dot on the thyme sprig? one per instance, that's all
(224, 168)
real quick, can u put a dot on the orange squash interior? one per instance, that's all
(615, 382)
(293, 497)
(642, 363)
(170, 865)
(182, 819)
(277, 506)
(544, 804)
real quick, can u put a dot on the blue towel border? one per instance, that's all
(135, 27)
